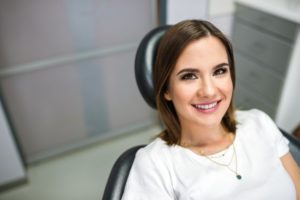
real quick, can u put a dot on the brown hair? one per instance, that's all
(170, 48)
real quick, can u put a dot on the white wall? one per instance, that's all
(219, 12)
(178, 10)
(11, 167)
(288, 115)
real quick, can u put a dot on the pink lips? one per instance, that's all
(208, 107)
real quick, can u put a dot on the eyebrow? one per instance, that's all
(194, 70)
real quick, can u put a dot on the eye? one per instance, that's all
(220, 71)
(188, 76)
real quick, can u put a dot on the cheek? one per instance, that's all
(182, 93)
(227, 87)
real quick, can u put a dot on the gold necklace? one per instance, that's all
(238, 176)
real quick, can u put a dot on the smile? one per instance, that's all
(207, 107)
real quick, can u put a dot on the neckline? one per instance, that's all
(199, 156)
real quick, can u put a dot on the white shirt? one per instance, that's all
(167, 172)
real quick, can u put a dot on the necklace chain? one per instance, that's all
(234, 155)
(224, 152)
(211, 158)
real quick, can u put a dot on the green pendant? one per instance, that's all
(238, 176)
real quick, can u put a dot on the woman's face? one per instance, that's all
(200, 85)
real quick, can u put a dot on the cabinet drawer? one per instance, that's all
(279, 26)
(262, 47)
(258, 79)
(244, 100)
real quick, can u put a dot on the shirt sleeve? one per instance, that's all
(148, 179)
(280, 142)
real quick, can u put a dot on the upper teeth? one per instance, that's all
(207, 106)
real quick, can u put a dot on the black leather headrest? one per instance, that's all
(144, 61)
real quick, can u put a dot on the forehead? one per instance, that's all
(205, 53)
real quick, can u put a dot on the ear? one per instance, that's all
(167, 96)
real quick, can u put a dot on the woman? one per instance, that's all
(208, 150)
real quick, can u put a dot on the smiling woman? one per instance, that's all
(200, 53)
(201, 95)
(208, 149)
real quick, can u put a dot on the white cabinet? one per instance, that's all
(262, 53)
(266, 42)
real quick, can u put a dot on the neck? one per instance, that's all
(204, 136)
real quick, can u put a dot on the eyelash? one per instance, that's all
(192, 76)
(188, 76)
(220, 71)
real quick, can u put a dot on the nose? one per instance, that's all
(207, 88)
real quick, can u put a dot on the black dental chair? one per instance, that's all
(144, 61)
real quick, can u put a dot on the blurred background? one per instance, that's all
(69, 101)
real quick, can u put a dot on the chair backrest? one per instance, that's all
(144, 61)
(118, 176)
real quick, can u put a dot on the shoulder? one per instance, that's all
(153, 163)
(149, 177)
(155, 155)
(253, 118)
(256, 123)
(157, 150)
(249, 114)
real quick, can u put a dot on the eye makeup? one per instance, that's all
(220, 71)
(188, 76)
(193, 73)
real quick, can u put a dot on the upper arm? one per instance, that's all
(282, 149)
(293, 170)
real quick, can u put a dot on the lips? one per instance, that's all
(207, 106)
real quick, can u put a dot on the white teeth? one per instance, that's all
(205, 107)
